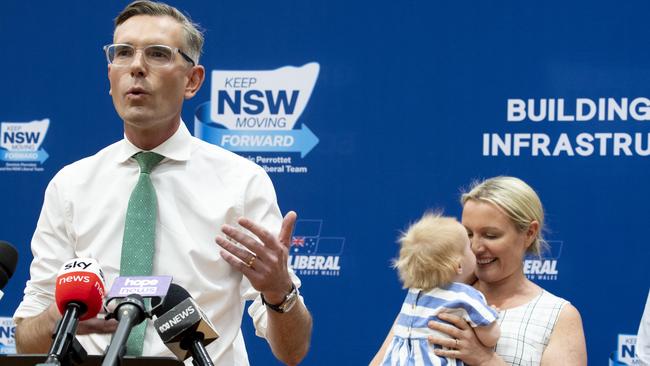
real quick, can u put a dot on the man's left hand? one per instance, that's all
(265, 264)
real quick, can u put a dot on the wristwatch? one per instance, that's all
(286, 304)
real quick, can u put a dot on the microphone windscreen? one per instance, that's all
(80, 281)
(8, 261)
(175, 295)
(4, 278)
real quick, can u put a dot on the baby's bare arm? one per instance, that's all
(488, 335)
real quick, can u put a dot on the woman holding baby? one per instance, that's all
(504, 218)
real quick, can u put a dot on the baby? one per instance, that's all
(434, 253)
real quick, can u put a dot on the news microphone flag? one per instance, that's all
(183, 326)
(145, 286)
(80, 281)
(79, 294)
(172, 325)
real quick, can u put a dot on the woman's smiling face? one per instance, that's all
(498, 245)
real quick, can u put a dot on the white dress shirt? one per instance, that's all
(199, 187)
(643, 337)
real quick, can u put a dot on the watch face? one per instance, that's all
(289, 301)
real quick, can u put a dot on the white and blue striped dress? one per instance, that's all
(409, 346)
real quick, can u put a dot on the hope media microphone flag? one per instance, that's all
(145, 286)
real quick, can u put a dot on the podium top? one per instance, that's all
(91, 360)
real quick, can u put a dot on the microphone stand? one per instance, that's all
(129, 313)
(200, 356)
(65, 347)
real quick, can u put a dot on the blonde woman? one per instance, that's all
(435, 252)
(504, 218)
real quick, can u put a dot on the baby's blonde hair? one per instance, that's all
(430, 252)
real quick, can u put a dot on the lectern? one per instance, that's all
(92, 360)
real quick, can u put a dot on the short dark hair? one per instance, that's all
(193, 34)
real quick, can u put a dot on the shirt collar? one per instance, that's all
(177, 147)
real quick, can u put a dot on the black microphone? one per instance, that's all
(8, 261)
(129, 312)
(183, 326)
(131, 309)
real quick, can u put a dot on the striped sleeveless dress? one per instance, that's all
(410, 346)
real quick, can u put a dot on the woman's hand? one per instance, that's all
(463, 345)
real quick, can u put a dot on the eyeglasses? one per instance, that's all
(154, 55)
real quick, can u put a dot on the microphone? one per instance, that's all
(131, 309)
(129, 312)
(78, 295)
(8, 261)
(183, 326)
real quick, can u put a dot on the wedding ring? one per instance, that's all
(250, 262)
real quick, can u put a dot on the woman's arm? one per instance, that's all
(567, 344)
(464, 344)
(376, 361)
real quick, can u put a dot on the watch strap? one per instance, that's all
(282, 307)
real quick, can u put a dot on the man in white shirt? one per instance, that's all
(643, 336)
(200, 188)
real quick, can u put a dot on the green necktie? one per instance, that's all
(138, 244)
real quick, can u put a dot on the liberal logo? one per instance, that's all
(258, 111)
(544, 267)
(20, 145)
(625, 354)
(313, 254)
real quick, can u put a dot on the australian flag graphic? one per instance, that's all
(307, 240)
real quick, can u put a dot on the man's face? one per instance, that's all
(150, 98)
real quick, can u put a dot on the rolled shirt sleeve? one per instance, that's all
(51, 247)
(261, 207)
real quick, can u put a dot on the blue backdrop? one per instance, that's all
(409, 104)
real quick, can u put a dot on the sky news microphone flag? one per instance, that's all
(79, 295)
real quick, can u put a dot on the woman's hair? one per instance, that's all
(516, 199)
(430, 252)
